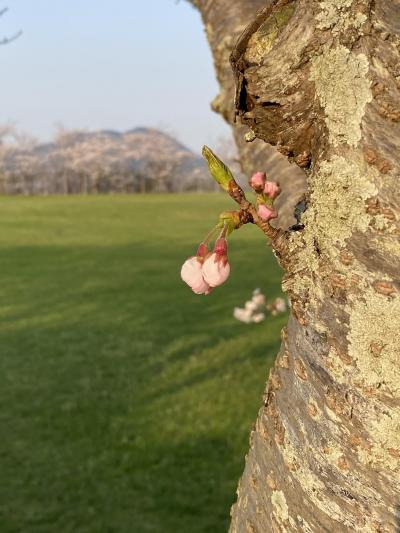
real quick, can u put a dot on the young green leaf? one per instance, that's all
(218, 170)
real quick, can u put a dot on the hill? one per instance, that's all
(138, 160)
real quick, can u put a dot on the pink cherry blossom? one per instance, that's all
(257, 181)
(271, 189)
(216, 268)
(266, 213)
(191, 273)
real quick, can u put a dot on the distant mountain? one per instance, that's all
(138, 160)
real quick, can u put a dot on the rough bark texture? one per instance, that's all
(224, 21)
(321, 81)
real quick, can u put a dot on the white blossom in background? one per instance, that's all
(277, 306)
(254, 309)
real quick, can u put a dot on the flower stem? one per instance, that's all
(210, 234)
(223, 232)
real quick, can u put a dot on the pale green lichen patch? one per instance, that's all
(331, 12)
(373, 345)
(343, 88)
(279, 502)
(383, 224)
(356, 21)
(384, 438)
(375, 348)
(308, 263)
(340, 189)
(335, 16)
(387, 434)
(333, 452)
(337, 367)
(262, 41)
(311, 485)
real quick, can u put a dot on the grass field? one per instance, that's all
(126, 400)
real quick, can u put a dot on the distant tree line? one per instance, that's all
(79, 162)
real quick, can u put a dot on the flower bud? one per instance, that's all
(266, 213)
(218, 170)
(257, 181)
(202, 251)
(191, 273)
(216, 268)
(271, 189)
(221, 247)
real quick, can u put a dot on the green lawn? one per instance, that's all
(126, 400)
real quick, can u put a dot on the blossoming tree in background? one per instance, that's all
(82, 162)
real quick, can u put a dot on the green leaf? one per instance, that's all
(218, 170)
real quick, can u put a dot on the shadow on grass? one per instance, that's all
(127, 400)
(176, 471)
(258, 353)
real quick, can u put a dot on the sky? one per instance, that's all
(108, 64)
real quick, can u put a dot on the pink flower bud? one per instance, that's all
(266, 213)
(271, 189)
(221, 247)
(257, 181)
(216, 268)
(202, 251)
(191, 273)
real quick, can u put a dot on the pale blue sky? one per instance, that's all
(108, 64)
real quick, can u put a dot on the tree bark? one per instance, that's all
(224, 21)
(320, 80)
(65, 183)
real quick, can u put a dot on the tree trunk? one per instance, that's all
(83, 180)
(224, 21)
(3, 183)
(321, 80)
(142, 183)
(65, 183)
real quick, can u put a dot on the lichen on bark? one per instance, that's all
(280, 505)
(340, 188)
(344, 89)
(375, 349)
(334, 15)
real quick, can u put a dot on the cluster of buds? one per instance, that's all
(206, 270)
(266, 192)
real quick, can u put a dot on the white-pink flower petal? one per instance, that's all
(191, 273)
(216, 269)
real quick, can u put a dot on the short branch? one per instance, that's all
(237, 194)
